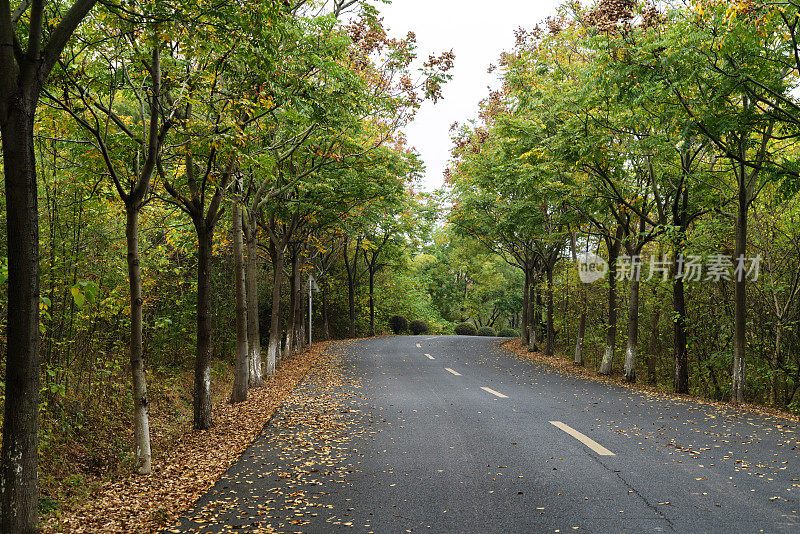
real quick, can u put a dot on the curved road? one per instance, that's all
(455, 434)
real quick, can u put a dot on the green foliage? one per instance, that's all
(398, 324)
(3, 270)
(465, 329)
(486, 331)
(508, 332)
(418, 327)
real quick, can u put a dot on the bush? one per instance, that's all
(508, 332)
(398, 324)
(418, 327)
(465, 329)
(487, 331)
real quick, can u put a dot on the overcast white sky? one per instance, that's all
(477, 32)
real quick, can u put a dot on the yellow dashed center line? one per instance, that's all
(586, 440)
(493, 392)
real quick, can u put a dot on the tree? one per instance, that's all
(241, 378)
(103, 109)
(205, 175)
(23, 74)
(279, 234)
(204, 218)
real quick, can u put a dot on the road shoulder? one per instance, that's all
(566, 367)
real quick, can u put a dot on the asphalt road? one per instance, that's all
(455, 434)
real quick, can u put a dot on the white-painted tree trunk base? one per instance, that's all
(608, 359)
(630, 363)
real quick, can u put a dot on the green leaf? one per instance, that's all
(77, 296)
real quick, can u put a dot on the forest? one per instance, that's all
(197, 191)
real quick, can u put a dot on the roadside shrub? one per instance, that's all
(398, 324)
(487, 331)
(465, 329)
(418, 327)
(508, 332)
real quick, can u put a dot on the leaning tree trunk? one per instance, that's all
(202, 364)
(274, 346)
(551, 333)
(141, 422)
(18, 474)
(611, 314)
(241, 376)
(255, 378)
(631, 349)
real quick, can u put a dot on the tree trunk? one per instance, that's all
(738, 389)
(141, 422)
(551, 333)
(241, 376)
(611, 313)
(681, 351)
(525, 296)
(351, 302)
(371, 301)
(18, 474)
(655, 346)
(202, 367)
(631, 350)
(297, 328)
(255, 378)
(584, 305)
(290, 322)
(22, 76)
(274, 347)
(581, 328)
(532, 328)
(352, 272)
(325, 321)
(773, 379)
(537, 322)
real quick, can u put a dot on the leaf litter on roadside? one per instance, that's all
(184, 473)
